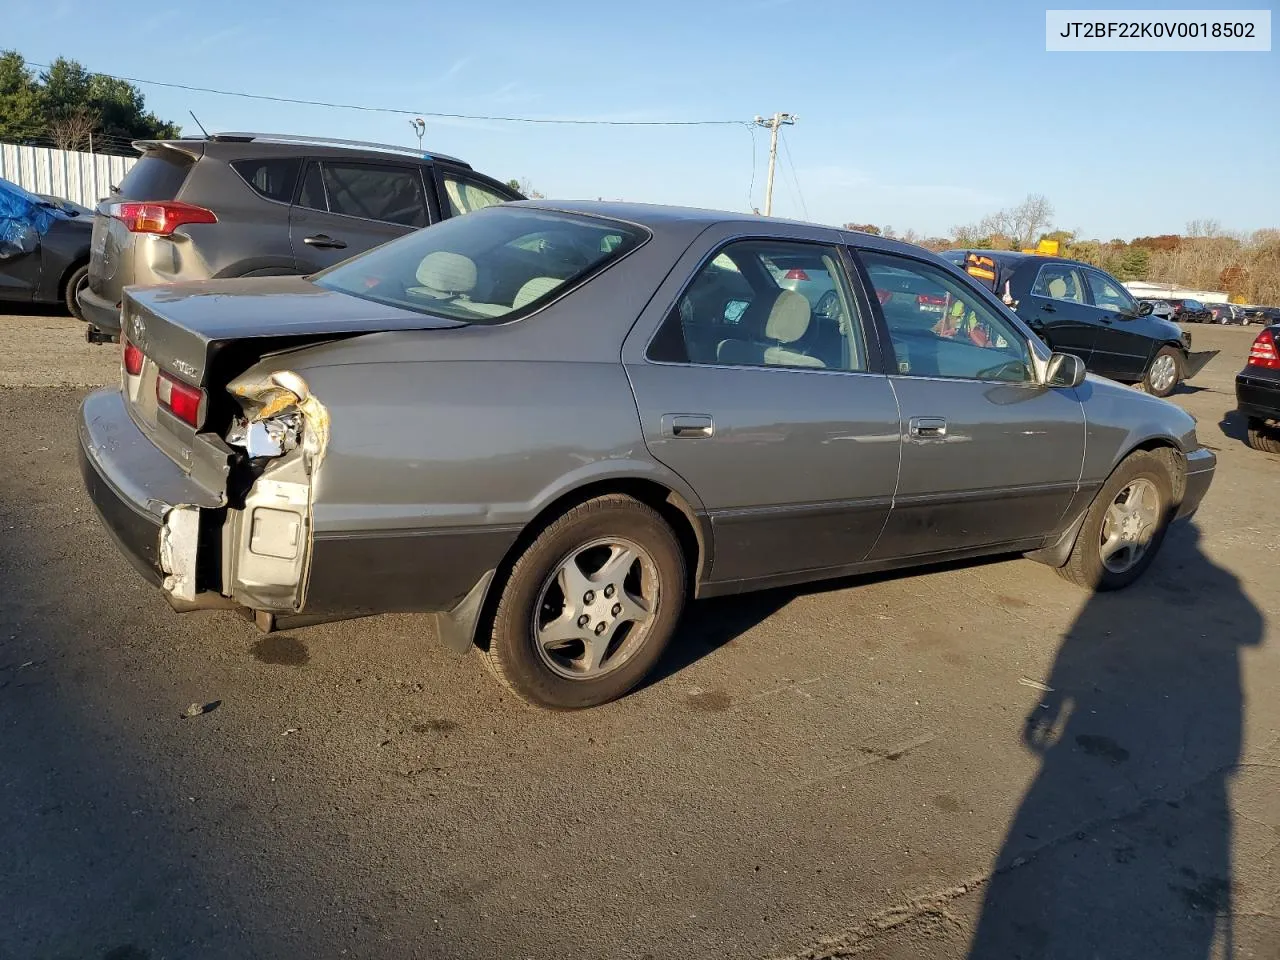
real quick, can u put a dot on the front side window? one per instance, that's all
(467, 195)
(1059, 281)
(376, 192)
(1108, 293)
(940, 327)
(486, 268)
(766, 303)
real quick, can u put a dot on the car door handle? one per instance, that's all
(1048, 308)
(927, 428)
(323, 240)
(687, 426)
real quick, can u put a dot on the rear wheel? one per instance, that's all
(1263, 436)
(589, 606)
(1125, 525)
(1163, 373)
(79, 277)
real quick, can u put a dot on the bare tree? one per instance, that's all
(73, 130)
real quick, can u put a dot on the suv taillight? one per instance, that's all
(1263, 353)
(160, 218)
(178, 398)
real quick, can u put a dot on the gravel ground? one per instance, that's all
(869, 767)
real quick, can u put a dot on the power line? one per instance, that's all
(412, 113)
(796, 180)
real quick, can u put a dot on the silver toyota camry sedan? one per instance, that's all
(554, 424)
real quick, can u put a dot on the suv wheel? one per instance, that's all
(590, 605)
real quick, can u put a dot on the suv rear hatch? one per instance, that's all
(157, 177)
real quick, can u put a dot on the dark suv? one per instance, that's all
(252, 205)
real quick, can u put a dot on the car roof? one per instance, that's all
(278, 144)
(658, 217)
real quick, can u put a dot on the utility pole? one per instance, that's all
(773, 123)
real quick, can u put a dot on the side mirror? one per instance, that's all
(1144, 309)
(1065, 370)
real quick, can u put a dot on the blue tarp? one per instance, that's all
(24, 219)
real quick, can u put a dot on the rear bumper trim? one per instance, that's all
(133, 485)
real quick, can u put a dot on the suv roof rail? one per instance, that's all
(234, 137)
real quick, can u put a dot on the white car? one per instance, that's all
(1160, 308)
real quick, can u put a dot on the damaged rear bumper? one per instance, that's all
(149, 506)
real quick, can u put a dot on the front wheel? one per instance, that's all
(589, 606)
(1125, 525)
(1263, 437)
(1163, 373)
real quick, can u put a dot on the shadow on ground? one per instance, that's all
(1122, 845)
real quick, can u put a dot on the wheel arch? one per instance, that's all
(80, 260)
(1058, 552)
(469, 623)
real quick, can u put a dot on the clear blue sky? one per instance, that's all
(915, 114)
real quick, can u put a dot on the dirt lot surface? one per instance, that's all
(977, 761)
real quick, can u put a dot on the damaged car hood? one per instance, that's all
(181, 324)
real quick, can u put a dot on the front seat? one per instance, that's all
(788, 321)
(450, 276)
(445, 276)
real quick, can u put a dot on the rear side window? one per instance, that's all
(376, 192)
(1059, 281)
(158, 175)
(273, 179)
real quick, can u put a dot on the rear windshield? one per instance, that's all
(158, 175)
(485, 267)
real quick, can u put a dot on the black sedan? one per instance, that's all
(44, 248)
(1258, 391)
(1076, 308)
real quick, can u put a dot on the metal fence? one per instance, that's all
(82, 177)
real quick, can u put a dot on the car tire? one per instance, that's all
(78, 278)
(1092, 568)
(1263, 437)
(1156, 381)
(546, 647)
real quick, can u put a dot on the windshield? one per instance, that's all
(485, 267)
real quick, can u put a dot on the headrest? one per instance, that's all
(1057, 288)
(789, 318)
(447, 272)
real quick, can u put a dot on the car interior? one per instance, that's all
(735, 312)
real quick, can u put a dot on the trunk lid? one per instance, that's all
(182, 327)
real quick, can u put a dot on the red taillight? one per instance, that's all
(161, 218)
(924, 299)
(178, 398)
(795, 273)
(132, 359)
(1264, 353)
(883, 296)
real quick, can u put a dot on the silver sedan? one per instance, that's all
(554, 424)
